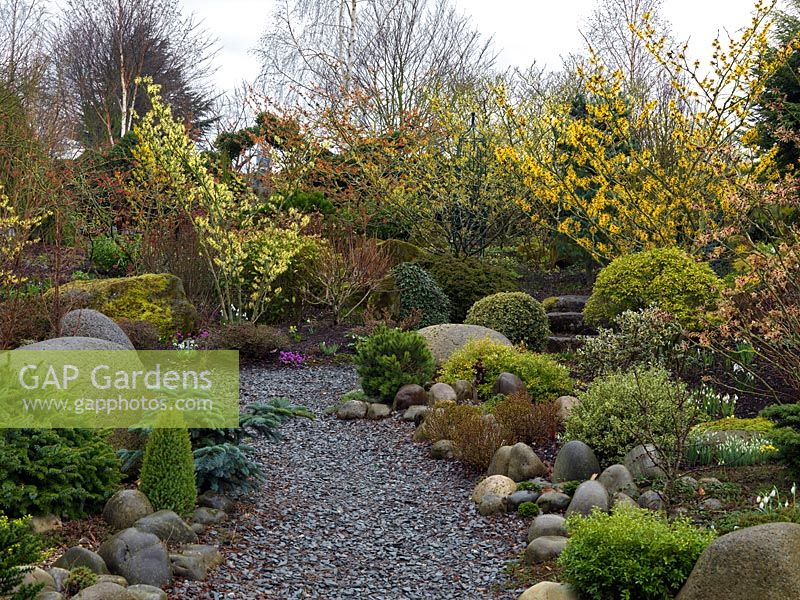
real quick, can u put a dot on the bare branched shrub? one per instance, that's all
(521, 420)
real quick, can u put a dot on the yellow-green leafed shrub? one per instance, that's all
(516, 315)
(667, 278)
(544, 377)
(158, 299)
(167, 477)
(757, 424)
(20, 548)
(631, 554)
(622, 410)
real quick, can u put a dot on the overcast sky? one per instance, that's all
(523, 30)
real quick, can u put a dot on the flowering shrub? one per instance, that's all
(292, 359)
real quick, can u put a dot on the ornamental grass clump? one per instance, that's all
(516, 315)
(389, 359)
(167, 476)
(630, 554)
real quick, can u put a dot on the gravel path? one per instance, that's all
(355, 509)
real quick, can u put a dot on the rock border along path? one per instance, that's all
(356, 509)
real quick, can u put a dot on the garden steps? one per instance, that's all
(565, 316)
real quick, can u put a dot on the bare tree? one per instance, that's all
(386, 54)
(104, 46)
(23, 30)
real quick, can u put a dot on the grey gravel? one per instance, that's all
(355, 509)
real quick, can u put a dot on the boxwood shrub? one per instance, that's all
(516, 315)
(418, 291)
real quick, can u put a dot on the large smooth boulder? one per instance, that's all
(215, 500)
(377, 411)
(523, 463)
(410, 395)
(617, 478)
(188, 566)
(508, 384)
(652, 500)
(553, 502)
(126, 507)
(492, 504)
(499, 462)
(105, 590)
(441, 392)
(544, 548)
(547, 525)
(138, 556)
(73, 343)
(146, 592)
(209, 516)
(77, 556)
(443, 450)
(564, 406)
(91, 323)
(575, 462)
(156, 298)
(499, 485)
(352, 409)
(549, 590)
(445, 339)
(168, 526)
(520, 497)
(589, 495)
(37, 576)
(643, 462)
(750, 563)
(210, 555)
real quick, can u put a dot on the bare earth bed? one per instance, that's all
(355, 509)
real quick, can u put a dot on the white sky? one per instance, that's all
(523, 30)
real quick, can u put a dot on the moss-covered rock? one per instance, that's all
(158, 299)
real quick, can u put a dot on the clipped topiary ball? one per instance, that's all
(418, 291)
(516, 315)
(167, 477)
(666, 277)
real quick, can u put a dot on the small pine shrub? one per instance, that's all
(516, 315)
(528, 509)
(167, 477)
(66, 472)
(544, 378)
(610, 416)
(20, 548)
(666, 277)
(389, 359)
(418, 291)
(80, 578)
(648, 337)
(467, 280)
(630, 553)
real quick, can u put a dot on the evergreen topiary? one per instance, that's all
(516, 315)
(66, 472)
(167, 476)
(418, 291)
(467, 280)
(666, 277)
(390, 359)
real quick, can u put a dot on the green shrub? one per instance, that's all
(389, 359)
(80, 578)
(667, 278)
(67, 472)
(514, 314)
(111, 255)
(21, 547)
(756, 424)
(167, 476)
(569, 487)
(786, 435)
(630, 554)
(528, 509)
(648, 337)
(418, 291)
(739, 519)
(467, 280)
(610, 416)
(544, 378)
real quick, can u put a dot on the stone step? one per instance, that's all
(563, 343)
(569, 303)
(568, 323)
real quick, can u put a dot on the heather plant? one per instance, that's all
(631, 553)
(516, 315)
